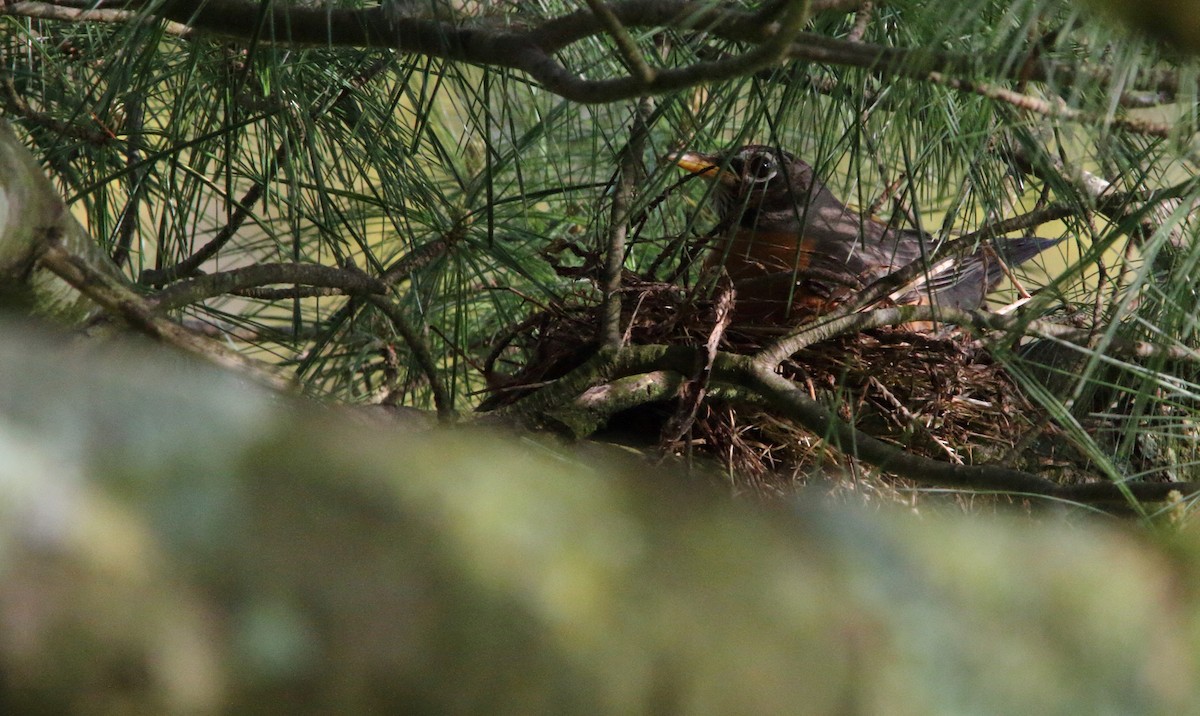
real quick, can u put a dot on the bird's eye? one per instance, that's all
(761, 168)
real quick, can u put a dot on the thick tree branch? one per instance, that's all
(530, 44)
(592, 409)
(290, 293)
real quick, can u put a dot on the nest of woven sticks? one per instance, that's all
(940, 395)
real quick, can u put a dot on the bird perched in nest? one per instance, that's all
(793, 249)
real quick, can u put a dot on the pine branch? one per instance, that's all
(531, 45)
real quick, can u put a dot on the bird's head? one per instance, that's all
(755, 182)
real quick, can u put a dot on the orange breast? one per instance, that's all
(748, 253)
(766, 269)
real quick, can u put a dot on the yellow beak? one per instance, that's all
(702, 165)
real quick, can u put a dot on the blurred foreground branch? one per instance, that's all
(177, 541)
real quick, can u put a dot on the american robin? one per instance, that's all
(792, 248)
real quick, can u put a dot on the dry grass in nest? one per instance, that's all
(938, 395)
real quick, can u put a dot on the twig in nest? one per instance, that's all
(633, 316)
(914, 421)
(991, 255)
(695, 389)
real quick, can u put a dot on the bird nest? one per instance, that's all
(939, 395)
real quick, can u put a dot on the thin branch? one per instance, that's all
(242, 210)
(838, 5)
(420, 351)
(135, 111)
(68, 12)
(1144, 99)
(1028, 220)
(200, 288)
(1053, 110)
(12, 100)
(789, 399)
(417, 259)
(1140, 215)
(918, 63)
(823, 329)
(626, 45)
(121, 301)
(862, 18)
(889, 284)
(697, 387)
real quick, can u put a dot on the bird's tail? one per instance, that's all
(966, 284)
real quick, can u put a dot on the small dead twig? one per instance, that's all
(696, 388)
(862, 18)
